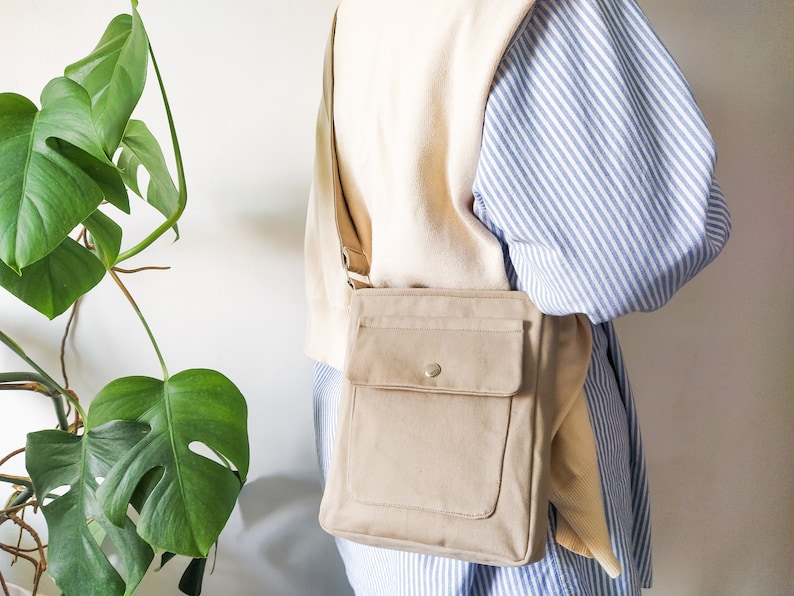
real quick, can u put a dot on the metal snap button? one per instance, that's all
(432, 370)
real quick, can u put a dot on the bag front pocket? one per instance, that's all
(431, 411)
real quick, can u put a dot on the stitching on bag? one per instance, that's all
(429, 510)
(466, 330)
(382, 292)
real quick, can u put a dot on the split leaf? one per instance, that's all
(43, 194)
(59, 461)
(185, 509)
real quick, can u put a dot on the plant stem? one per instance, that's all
(21, 381)
(21, 498)
(180, 171)
(65, 337)
(25, 377)
(16, 480)
(138, 312)
(57, 393)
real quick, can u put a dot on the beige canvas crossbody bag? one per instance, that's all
(442, 443)
(445, 420)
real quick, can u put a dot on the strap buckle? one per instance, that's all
(357, 268)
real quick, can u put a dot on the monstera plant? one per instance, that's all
(154, 465)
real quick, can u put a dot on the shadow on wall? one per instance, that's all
(292, 554)
(274, 214)
(278, 233)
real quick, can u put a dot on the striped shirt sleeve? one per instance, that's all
(597, 169)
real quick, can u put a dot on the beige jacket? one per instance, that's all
(409, 82)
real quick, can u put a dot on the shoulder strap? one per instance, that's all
(355, 262)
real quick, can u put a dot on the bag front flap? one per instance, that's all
(476, 356)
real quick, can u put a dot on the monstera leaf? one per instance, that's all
(140, 148)
(105, 174)
(114, 74)
(52, 284)
(58, 461)
(184, 499)
(43, 194)
(105, 235)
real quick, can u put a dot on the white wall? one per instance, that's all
(711, 371)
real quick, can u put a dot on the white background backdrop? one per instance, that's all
(712, 371)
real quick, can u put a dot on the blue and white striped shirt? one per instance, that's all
(596, 173)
